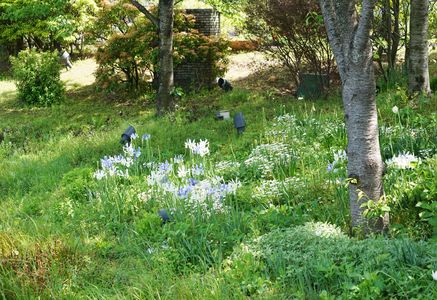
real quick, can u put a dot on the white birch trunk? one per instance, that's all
(350, 39)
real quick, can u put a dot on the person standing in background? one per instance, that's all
(66, 58)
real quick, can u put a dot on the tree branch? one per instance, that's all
(336, 38)
(147, 13)
(362, 33)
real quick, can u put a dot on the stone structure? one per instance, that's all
(197, 75)
(207, 21)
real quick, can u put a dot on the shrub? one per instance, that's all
(317, 261)
(296, 38)
(130, 52)
(37, 76)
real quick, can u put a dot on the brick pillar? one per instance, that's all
(197, 75)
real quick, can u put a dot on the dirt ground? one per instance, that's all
(250, 70)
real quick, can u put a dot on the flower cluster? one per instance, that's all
(275, 189)
(266, 156)
(403, 161)
(227, 168)
(281, 126)
(201, 148)
(340, 157)
(190, 184)
(118, 165)
(324, 230)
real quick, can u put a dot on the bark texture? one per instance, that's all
(349, 36)
(418, 74)
(164, 24)
(165, 99)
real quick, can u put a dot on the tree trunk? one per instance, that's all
(364, 159)
(418, 74)
(164, 23)
(164, 98)
(350, 41)
(406, 13)
(396, 33)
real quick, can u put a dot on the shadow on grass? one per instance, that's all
(268, 78)
(8, 100)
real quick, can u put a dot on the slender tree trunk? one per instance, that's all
(164, 23)
(164, 97)
(396, 32)
(418, 74)
(350, 41)
(387, 30)
(406, 12)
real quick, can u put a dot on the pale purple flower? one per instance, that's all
(166, 166)
(145, 137)
(183, 191)
(198, 170)
(137, 153)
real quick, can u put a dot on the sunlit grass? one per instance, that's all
(51, 224)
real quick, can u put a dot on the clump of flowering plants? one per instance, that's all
(187, 183)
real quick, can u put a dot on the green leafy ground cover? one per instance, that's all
(249, 219)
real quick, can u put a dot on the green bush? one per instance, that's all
(318, 261)
(37, 76)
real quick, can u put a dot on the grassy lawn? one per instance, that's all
(275, 226)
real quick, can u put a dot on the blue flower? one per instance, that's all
(106, 162)
(137, 153)
(192, 181)
(330, 167)
(145, 137)
(198, 170)
(184, 191)
(166, 166)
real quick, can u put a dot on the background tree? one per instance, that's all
(418, 74)
(45, 24)
(297, 39)
(164, 24)
(127, 53)
(349, 36)
(387, 35)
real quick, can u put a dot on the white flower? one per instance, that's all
(189, 144)
(178, 159)
(144, 196)
(183, 171)
(266, 156)
(434, 275)
(395, 109)
(201, 148)
(129, 150)
(403, 161)
(99, 174)
(340, 155)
